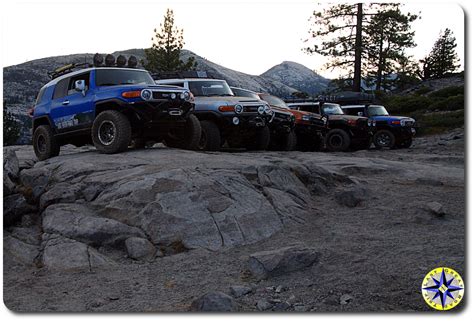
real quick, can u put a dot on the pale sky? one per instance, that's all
(248, 36)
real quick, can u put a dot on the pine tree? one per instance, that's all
(388, 34)
(164, 55)
(442, 59)
(11, 127)
(353, 36)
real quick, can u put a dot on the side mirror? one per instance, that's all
(80, 85)
(361, 114)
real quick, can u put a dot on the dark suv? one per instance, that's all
(110, 107)
(309, 127)
(390, 131)
(282, 133)
(345, 132)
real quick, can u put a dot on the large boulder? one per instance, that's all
(61, 253)
(281, 261)
(10, 171)
(14, 207)
(211, 210)
(77, 222)
(18, 251)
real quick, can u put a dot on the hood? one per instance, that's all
(345, 117)
(226, 100)
(389, 118)
(295, 112)
(139, 87)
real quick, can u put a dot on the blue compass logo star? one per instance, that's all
(442, 288)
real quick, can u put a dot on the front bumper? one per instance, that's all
(161, 111)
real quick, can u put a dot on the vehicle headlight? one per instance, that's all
(261, 110)
(238, 109)
(173, 96)
(324, 120)
(146, 94)
(185, 95)
(267, 109)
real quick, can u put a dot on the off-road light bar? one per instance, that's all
(121, 61)
(132, 62)
(109, 60)
(98, 60)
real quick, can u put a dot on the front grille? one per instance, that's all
(158, 95)
(250, 109)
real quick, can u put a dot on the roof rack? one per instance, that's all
(67, 69)
(181, 74)
(98, 61)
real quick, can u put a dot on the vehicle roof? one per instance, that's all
(187, 79)
(360, 106)
(311, 103)
(80, 71)
(247, 90)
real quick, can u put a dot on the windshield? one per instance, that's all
(114, 77)
(244, 93)
(332, 109)
(274, 101)
(378, 111)
(210, 88)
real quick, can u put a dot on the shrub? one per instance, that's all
(448, 92)
(406, 104)
(450, 103)
(423, 90)
(440, 122)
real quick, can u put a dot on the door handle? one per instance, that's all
(66, 102)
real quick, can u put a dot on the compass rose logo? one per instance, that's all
(442, 288)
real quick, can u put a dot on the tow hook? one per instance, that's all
(175, 112)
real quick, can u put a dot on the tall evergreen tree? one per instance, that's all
(345, 33)
(442, 59)
(164, 55)
(388, 34)
(11, 127)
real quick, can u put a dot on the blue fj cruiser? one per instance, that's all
(113, 106)
(390, 131)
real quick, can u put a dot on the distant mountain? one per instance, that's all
(22, 82)
(297, 76)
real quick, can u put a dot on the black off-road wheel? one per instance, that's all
(260, 140)
(210, 139)
(284, 142)
(337, 140)
(187, 137)
(111, 132)
(384, 139)
(406, 143)
(45, 144)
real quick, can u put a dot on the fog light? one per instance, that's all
(235, 120)
(173, 96)
(261, 110)
(267, 109)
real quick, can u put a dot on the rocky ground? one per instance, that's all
(170, 230)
